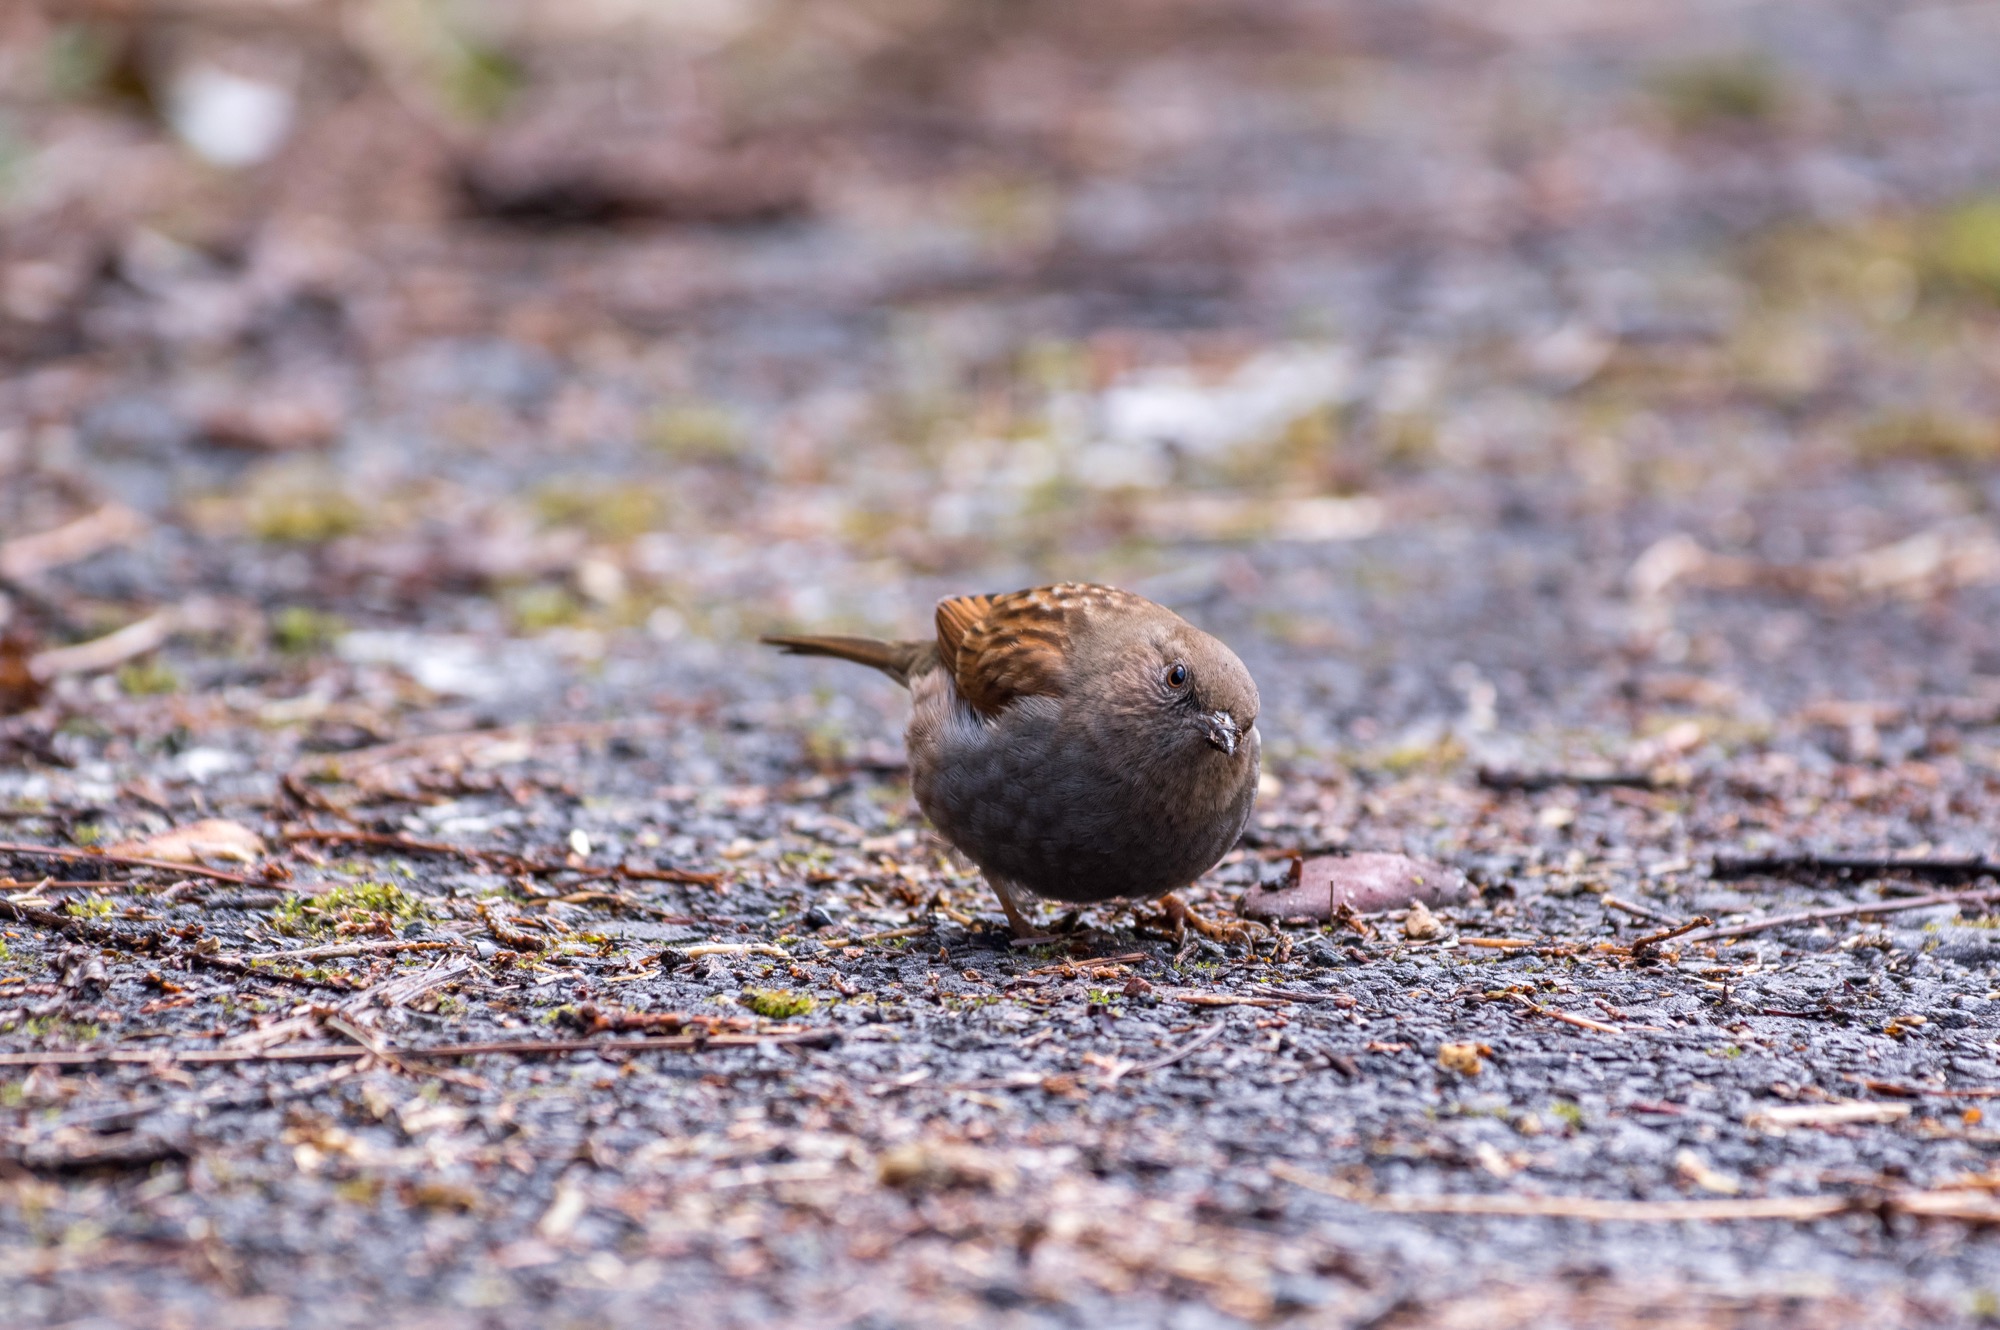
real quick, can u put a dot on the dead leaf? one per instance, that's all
(1366, 883)
(1420, 925)
(210, 838)
(1462, 1058)
(19, 688)
(922, 1166)
(1963, 553)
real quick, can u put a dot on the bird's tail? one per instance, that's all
(898, 660)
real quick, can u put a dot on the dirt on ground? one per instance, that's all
(422, 903)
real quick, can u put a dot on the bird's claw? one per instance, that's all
(1181, 916)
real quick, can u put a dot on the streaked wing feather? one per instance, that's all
(955, 618)
(999, 648)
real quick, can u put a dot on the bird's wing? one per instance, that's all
(1002, 647)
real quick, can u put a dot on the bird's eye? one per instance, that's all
(1177, 675)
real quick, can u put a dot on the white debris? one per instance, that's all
(227, 118)
(453, 665)
(201, 765)
(1179, 409)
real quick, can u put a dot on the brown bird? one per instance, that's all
(1077, 742)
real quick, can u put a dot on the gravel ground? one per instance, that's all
(1584, 433)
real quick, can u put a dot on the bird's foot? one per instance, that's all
(1182, 918)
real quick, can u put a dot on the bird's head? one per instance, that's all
(1201, 694)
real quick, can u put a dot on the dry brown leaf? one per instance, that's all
(1366, 883)
(922, 1166)
(197, 842)
(19, 688)
(1462, 1058)
(1420, 925)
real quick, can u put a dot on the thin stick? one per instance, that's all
(1633, 908)
(230, 965)
(1302, 995)
(683, 875)
(129, 860)
(621, 901)
(1939, 1204)
(1195, 997)
(1847, 865)
(91, 930)
(307, 797)
(507, 859)
(49, 883)
(1581, 1207)
(525, 1048)
(1904, 1091)
(1194, 1045)
(341, 1023)
(452, 741)
(62, 923)
(27, 556)
(1069, 968)
(101, 653)
(1840, 912)
(337, 949)
(1564, 1207)
(1568, 1018)
(887, 935)
(1494, 778)
(408, 844)
(1653, 940)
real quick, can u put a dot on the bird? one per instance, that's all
(1078, 742)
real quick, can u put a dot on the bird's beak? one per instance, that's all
(1221, 730)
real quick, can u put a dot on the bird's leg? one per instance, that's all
(1017, 918)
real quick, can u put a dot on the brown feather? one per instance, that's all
(956, 616)
(898, 660)
(999, 648)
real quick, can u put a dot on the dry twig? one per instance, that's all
(1938, 1204)
(1932, 869)
(1637, 910)
(1640, 946)
(1494, 778)
(1840, 912)
(506, 860)
(1194, 1045)
(1567, 1018)
(333, 951)
(29, 556)
(102, 653)
(526, 1048)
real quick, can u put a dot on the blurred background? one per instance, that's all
(529, 358)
